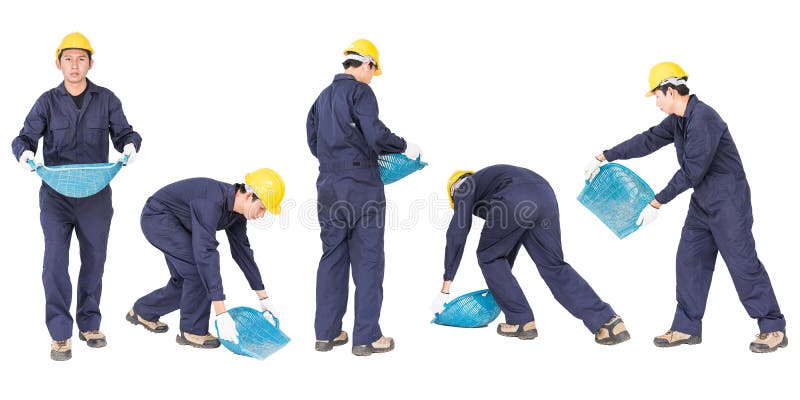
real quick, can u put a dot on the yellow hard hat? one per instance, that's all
(74, 40)
(661, 72)
(366, 48)
(269, 187)
(453, 179)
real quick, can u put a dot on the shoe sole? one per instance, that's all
(328, 345)
(757, 349)
(134, 319)
(185, 342)
(615, 339)
(522, 335)
(690, 341)
(60, 355)
(93, 343)
(366, 350)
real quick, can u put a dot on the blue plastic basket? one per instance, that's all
(617, 196)
(396, 166)
(78, 180)
(472, 310)
(258, 338)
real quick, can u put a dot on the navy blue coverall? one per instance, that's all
(182, 220)
(720, 216)
(346, 136)
(520, 209)
(73, 135)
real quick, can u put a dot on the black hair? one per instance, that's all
(349, 63)
(241, 188)
(682, 90)
(88, 53)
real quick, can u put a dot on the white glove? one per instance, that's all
(648, 215)
(23, 160)
(592, 168)
(267, 309)
(227, 328)
(412, 151)
(130, 151)
(437, 305)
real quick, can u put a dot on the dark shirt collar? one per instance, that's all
(340, 77)
(90, 88)
(690, 106)
(230, 198)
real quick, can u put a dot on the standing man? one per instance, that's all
(75, 121)
(182, 220)
(520, 209)
(720, 216)
(346, 136)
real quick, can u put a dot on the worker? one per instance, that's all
(720, 215)
(520, 209)
(346, 136)
(181, 220)
(75, 121)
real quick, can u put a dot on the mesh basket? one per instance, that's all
(617, 196)
(258, 338)
(78, 180)
(472, 310)
(394, 167)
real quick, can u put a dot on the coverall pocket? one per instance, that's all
(61, 134)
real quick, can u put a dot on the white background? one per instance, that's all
(217, 89)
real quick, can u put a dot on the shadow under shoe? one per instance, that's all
(61, 350)
(382, 345)
(524, 332)
(769, 342)
(612, 332)
(676, 338)
(152, 326)
(95, 339)
(207, 341)
(327, 345)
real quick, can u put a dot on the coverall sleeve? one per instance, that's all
(121, 131)
(311, 129)
(35, 126)
(243, 254)
(644, 143)
(458, 231)
(205, 215)
(379, 138)
(702, 140)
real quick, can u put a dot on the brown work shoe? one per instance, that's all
(93, 338)
(327, 345)
(675, 338)
(61, 350)
(769, 342)
(612, 332)
(382, 345)
(524, 332)
(207, 341)
(152, 326)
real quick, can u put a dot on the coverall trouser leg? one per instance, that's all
(185, 289)
(726, 228)
(90, 217)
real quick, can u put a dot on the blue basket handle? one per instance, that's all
(32, 164)
(275, 319)
(123, 159)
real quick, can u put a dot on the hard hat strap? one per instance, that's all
(359, 57)
(673, 80)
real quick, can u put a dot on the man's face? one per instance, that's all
(666, 101)
(255, 208)
(74, 64)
